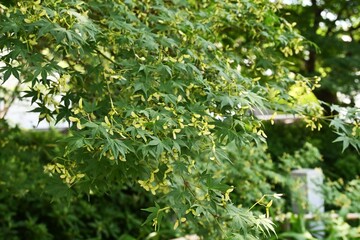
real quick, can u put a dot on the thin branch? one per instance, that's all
(10, 101)
(107, 58)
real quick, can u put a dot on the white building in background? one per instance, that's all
(19, 111)
(19, 114)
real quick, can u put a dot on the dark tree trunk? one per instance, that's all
(323, 94)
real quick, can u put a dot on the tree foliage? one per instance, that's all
(154, 91)
(334, 27)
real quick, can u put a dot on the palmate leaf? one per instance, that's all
(155, 142)
(153, 213)
(221, 155)
(156, 215)
(118, 147)
(266, 226)
(240, 218)
(346, 126)
(347, 141)
(213, 183)
(7, 74)
(344, 139)
(226, 101)
(338, 124)
(45, 27)
(75, 142)
(227, 134)
(84, 24)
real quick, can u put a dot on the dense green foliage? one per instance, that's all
(31, 207)
(160, 97)
(335, 163)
